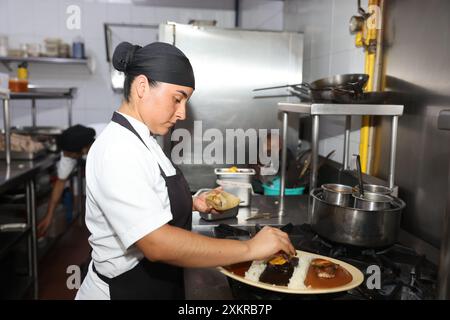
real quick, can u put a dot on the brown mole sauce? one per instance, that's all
(239, 269)
(341, 278)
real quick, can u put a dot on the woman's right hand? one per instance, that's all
(268, 242)
(199, 202)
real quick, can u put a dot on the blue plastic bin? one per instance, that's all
(274, 189)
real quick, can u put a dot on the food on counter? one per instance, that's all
(233, 169)
(22, 143)
(297, 273)
(221, 200)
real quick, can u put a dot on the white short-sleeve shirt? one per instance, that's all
(126, 199)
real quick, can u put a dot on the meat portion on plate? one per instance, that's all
(325, 274)
(279, 269)
(324, 268)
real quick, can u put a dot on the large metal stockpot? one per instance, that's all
(355, 226)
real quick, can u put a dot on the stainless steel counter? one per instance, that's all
(296, 209)
(20, 171)
(23, 172)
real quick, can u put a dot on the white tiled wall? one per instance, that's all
(262, 14)
(31, 21)
(329, 50)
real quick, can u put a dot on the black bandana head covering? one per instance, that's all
(75, 138)
(159, 61)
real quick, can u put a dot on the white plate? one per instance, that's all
(357, 275)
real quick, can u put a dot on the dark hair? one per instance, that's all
(75, 138)
(129, 78)
(123, 58)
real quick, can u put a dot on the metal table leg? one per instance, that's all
(283, 164)
(7, 127)
(348, 124)
(393, 150)
(69, 112)
(32, 239)
(314, 151)
(33, 112)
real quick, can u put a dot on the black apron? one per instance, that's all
(155, 280)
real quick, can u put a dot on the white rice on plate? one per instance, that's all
(297, 278)
(256, 269)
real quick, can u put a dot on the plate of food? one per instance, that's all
(225, 205)
(305, 273)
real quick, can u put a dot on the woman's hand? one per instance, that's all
(268, 242)
(199, 202)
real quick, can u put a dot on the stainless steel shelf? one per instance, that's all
(36, 92)
(315, 111)
(334, 109)
(40, 95)
(49, 60)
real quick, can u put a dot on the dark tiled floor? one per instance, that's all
(71, 249)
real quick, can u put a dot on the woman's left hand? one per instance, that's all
(199, 202)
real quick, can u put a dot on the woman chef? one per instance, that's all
(138, 204)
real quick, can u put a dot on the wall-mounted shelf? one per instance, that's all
(47, 60)
(53, 60)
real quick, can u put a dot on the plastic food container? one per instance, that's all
(243, 176)
(18, 85)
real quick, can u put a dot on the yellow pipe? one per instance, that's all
(365, 122)
(369, 67)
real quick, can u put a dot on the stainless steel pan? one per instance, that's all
(342, 87)
(355, 226)
(338, 88)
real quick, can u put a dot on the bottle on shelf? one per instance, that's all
(20, 83)
(78, 48)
